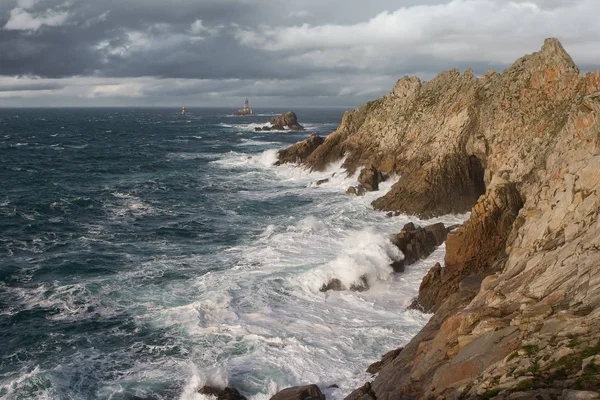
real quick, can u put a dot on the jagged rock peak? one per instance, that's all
(554, 50)
(407, 86)
(552, 54)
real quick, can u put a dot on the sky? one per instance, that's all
(276, 53)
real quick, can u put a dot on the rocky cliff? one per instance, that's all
(516, 303)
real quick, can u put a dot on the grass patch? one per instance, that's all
(534, 369)
(591, 369)
(531, 349)
(588, 382)
(524, 385)
(490, 394)
(514, 355)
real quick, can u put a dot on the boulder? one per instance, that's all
(336, 285)
(370, 178)
(308, 392)
(298, 152)
(356, 190)
(417, 243)
(221, 394)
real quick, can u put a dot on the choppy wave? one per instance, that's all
(177, 255)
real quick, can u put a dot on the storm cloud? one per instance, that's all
(216, 52)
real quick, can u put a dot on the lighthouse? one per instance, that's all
(246, 111)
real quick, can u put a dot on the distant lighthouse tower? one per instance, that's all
(246, 111)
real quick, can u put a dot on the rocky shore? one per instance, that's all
(515, 305)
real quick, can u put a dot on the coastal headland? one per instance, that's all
(515, 305)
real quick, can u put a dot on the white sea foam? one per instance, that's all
(284, 327)
(364, 255)
(252, 142)
(131, 205)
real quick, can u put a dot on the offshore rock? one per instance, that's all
(286, 120)
(299, 152)
(221, 394)
(517, 302)
(356, 190)
(309, 392)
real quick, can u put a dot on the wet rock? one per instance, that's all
(309, 392)
(321, 181)
(398, 266)
(300, 151)
(417, 243)
(356, 190)
(385, 360)
(286, 120)
(221, 394)
(363, 393)
(370, 178)
(334, 284)
(360, 286)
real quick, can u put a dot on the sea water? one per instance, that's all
(145, 253)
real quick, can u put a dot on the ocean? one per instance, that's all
(145, 253)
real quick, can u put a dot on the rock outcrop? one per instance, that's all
(517, 301)
(286, 120)
(299, 152)
(417, 243)
(221, 394)
(309, 392)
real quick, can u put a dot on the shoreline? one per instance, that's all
(521, 151)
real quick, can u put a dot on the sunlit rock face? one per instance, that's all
(516, 303)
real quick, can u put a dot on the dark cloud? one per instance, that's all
(31, 86)
(341, 51)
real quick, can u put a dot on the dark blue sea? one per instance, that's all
(145, 253)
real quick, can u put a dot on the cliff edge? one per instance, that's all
(516, 303)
